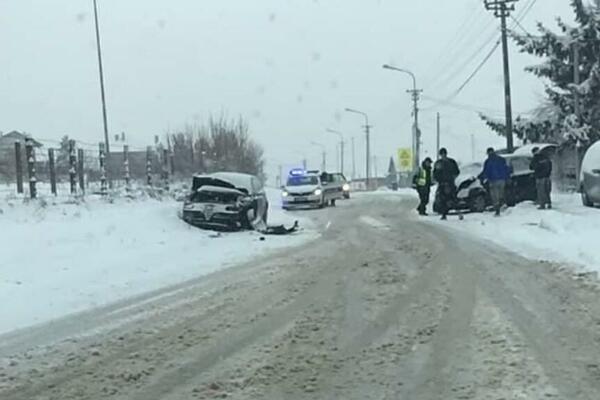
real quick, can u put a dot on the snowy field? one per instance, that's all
(568, 233)
(62, 258)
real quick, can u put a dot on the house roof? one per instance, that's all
(14, 136)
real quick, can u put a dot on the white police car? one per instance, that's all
(303, 189)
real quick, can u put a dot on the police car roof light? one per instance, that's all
(297, 172)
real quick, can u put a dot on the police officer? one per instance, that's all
(445, 172)
(422, 181)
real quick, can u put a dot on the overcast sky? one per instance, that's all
(289, 66)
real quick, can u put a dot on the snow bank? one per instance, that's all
(568, 233)
(63, 258)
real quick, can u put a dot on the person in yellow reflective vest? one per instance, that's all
(422, 182)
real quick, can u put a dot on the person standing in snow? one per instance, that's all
(542, 170)
(422, 182)
(496, 172)
(445, 172)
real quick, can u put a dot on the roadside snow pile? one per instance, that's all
(568, 233)
(63, 258)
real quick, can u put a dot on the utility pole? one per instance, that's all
(417, 132)
(416, 136)
(280, 177)
(375, 166)
(342, 156)
(101, 72)
(368, 137)
(437, 141)
(502, 10)
(353, 161)
(342, 143)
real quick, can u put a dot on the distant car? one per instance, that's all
(303, 189)
(311, 189)
(226, 201)
(335, 186)
(590, 176)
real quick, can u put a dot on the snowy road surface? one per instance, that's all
(64, 258)
(383, 306)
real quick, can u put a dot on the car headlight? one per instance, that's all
(188, 206)
(318, 192)
(346, 187)
(285, 194)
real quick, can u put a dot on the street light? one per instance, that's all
(368, 134)
(415, 97)
(342, 142)
(101, 73)
(324, 161)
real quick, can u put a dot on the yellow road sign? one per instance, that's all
(405, 159)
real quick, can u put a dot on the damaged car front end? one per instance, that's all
(218, 208)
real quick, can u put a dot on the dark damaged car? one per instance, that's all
(226, 201)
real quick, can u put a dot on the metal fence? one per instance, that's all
(80, 168)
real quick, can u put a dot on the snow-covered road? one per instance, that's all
(382, 306)
(64, 258)
(568, 233)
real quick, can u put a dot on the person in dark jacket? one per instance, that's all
(542, 170)
(422, 181)
(445, 172)
(496, 172)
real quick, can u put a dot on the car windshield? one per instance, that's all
(302, 181)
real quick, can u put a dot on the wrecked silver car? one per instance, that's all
(226, 201)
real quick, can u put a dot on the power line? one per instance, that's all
(462, 33)
(456, 71)
(519, 18)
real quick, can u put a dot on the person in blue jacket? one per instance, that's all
(497, 172)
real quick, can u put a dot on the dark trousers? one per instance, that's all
(544, 188)
(446, 193)
(424, 192)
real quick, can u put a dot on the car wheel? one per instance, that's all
(332, 202)
(477, 204)
(585, 199)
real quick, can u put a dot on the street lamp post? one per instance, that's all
(368, 134)
(101, 73)
(324, 154)
(342, 144)
(416, 138)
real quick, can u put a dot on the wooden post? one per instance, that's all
(52, 168)
(30, 153)
(19, 167)
(102, 158)
(72, 167)
(165, 161)
(149, 166)
(80, 171)
(126, 166)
